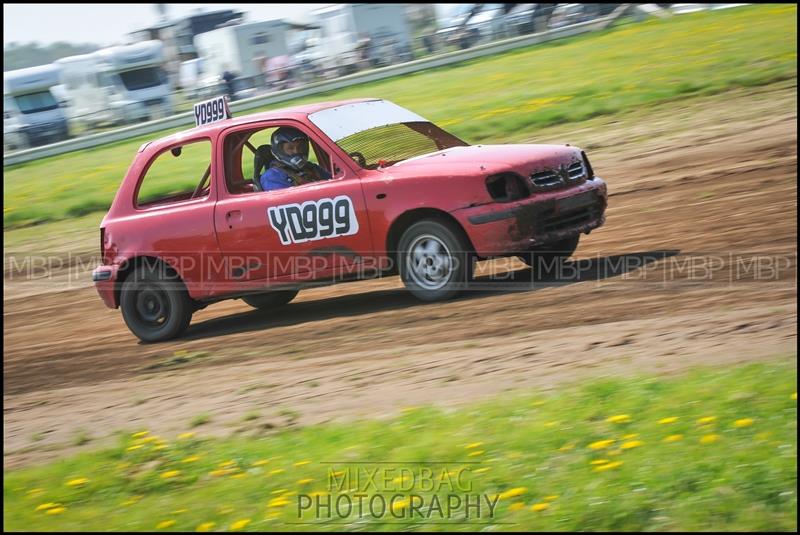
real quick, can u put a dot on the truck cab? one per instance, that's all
(120, 84)
(32, 115)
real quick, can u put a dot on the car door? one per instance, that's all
(299, 233)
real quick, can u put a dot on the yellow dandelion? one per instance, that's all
(55, 510)
(481, 470)
(186, 436)
(164, 524)
(709, 439)
(669, 420)
(134, 447)
(205, 526)
(597, 462)
(227, 464)
(261, 462)
(222, 472)
(631, 444)
(607, 466)
(278, 502)
(191, 459)
(539, 507)
(240, 524)
(280, 491)
(170, 474)
(48, 505)
(550, 424)
(318, 493)
(707, 420)
(226, 510)
(476, 453)
(160, 447)
(566, 447)
(513, 493)
(132, 500)
(473, 445)
(148, 440)
(33, 492)
(77, 482)
(276, 471)
(302, 463)
(794, 396)
(516, 506)
(673, 438)
(630, 436)
(743, 422)
(601, 444)
(140, 434)
(538, 403)
(305, 481)
(619, 419)
(551, 498)
(240, 475)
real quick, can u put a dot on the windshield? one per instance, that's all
(142, 78)
(35, 102)
(389, 144)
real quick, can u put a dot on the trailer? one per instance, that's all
(32, 114)
(120, 84)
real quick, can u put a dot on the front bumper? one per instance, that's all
(105, 281)
(502, 229)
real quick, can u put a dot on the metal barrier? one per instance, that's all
(237, 107)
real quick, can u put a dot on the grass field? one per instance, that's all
(711, 449)
(500, 99)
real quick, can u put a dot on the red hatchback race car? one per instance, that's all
(256, 207)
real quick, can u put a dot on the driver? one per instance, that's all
(291, 166)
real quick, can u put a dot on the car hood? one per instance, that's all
(488, 159)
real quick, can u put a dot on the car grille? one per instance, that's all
(551, 178)
(154, 102)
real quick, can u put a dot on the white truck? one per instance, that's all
(242, 49)
(357, 36)
(119, 84)
(32, 115)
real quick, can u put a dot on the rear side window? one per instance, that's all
(175, 174)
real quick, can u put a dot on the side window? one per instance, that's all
(175, 174)
(240, 157)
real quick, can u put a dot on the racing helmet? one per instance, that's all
(286, 134)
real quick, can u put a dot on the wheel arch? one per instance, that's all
(408, 218)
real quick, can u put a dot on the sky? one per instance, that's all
(107, 24)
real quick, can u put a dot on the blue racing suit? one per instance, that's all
(276, 177)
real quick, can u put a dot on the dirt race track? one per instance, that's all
(696, 265)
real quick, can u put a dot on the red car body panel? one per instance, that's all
(222, 245)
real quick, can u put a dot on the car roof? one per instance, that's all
(293, 112)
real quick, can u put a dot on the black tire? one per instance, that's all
(545, 258)
(155, 304)
(440, 272)
(270, 300)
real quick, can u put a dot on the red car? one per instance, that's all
(191, 224)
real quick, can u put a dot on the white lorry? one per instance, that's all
(119, 84)
(357, 36)
(243, 49)
(32, 115)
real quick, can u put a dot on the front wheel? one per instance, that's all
(435, 260)
(155, 304)
(270, 300)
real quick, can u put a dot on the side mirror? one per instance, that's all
(176, 151)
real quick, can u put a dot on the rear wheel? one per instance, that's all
(155, 304)
(435, 260)
(270, 300)
(545, 258)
